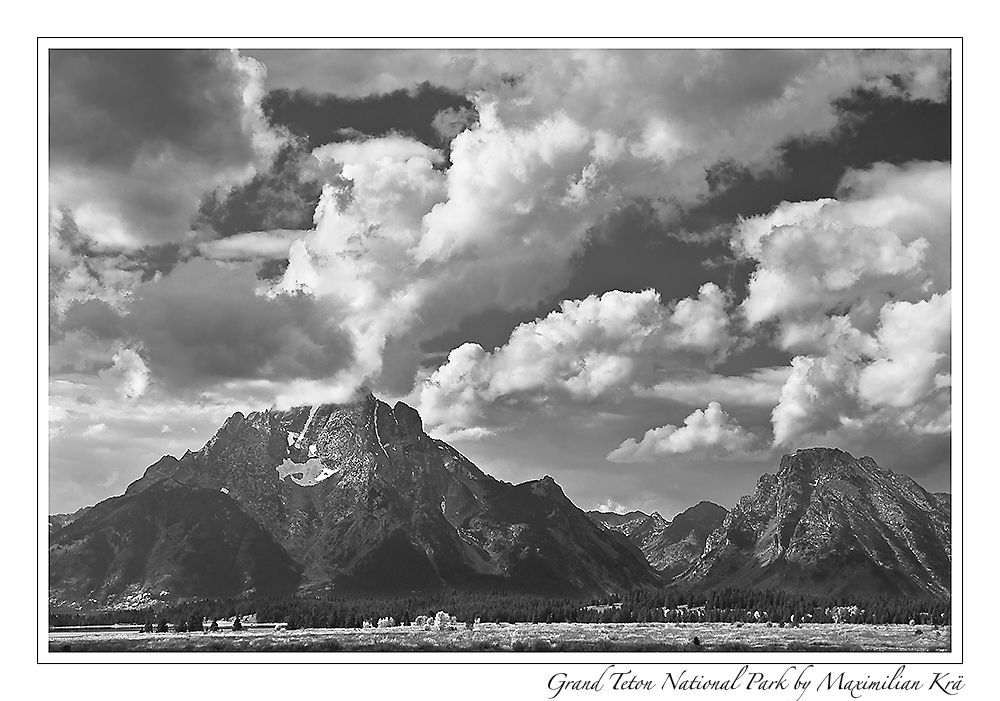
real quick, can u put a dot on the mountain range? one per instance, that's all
(358, 499)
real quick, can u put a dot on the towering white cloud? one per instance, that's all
(409, 241)
(913, 360)
(131, 373)
(859, 286)
(590, 349)
(410, 245)
(887, 234)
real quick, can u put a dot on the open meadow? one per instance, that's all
(525, 637)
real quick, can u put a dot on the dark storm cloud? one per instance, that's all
(108, 108)
(874, 128)
(203, 324)
(136, 137)
(632, 249)
(95, 317)
(284, 197)
(324, 119)
(451, 122)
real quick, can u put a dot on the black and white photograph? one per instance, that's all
(564, 348)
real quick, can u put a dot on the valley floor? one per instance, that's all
(526, 637)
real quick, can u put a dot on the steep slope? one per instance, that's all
(364, 501)
(171, 540)
(682, 542)
(829, 523)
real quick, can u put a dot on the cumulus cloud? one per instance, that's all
(705, 431)
(887, 235)
(129, 372)
(611, 507)
(136, 137)
(590, 349)
(859, 288)
(914, 341)
(409, 250)
(899, 376)
(409, 242)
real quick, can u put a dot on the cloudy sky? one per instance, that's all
(647, 273)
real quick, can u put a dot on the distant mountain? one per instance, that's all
(670, 547)
(355, 498)
(829, 523)
(637, 526)
(682, 543)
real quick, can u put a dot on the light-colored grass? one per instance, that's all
(528, 637)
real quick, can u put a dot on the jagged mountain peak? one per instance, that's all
(828, 521)
(362, 499)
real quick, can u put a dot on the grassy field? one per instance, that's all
(527, 637)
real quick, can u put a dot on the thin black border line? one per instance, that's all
(38, 359)
(961, 40)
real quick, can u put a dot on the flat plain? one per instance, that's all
(526, 637)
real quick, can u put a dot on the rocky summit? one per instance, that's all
(349, 498)
(827, 522)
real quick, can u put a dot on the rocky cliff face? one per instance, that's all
(827, 522)
(363, 500)
(682, 542)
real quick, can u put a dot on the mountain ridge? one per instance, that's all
(363, 500)
(357, 499)
(827, 522)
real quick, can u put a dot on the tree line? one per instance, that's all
(729, 604)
